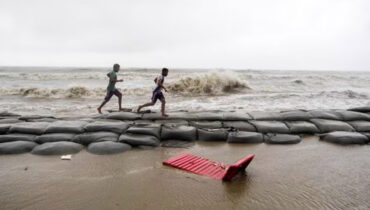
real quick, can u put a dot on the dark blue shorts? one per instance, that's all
(157, 95)
(110, 93)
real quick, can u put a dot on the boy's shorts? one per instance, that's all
(157, 95)
(110, 93)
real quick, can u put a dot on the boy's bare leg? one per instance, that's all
(120, 103)
(145, 105)
(163, 107)
(101, 106)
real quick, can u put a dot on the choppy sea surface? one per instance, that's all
(64, 91)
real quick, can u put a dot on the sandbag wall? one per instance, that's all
(120, 131)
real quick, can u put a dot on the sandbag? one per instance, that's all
(139, 139)
(177, 143)
(236, 116)
(34, 117)
(364, 109)
(116, 127)
(135, 122)
(263, 115)
(8, 114)
(206, 124)
(239, 125)
(342, 137)
(295, 115)
(181, 116)
(49, 120)
(360, 125)
(282, 139)
(324, 114)
(107, 147)
(36, 128)
(124, 116)
(244, 137)
(212, 134)
(178, 132)
(17, 137)
(351, 116)
(91, 137)
(16, 147)
(57, 148)
(209, 116)
(172, 122)
(146, 129)
(302, 127)
(270, 126)
(4, 128)
(66, 127)
(10, 121)
(54, 137)
(326, 126)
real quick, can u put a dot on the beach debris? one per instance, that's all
(207, 167)
(66, 157)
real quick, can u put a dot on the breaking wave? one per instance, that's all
(210, 83)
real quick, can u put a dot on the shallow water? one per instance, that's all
(308, 175)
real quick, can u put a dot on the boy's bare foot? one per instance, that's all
(99, 110)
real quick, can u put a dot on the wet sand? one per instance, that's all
(308, 175)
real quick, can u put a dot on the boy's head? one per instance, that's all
(116, 67)
(164, 71)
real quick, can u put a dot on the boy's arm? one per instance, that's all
(159, 83)
(114, 79)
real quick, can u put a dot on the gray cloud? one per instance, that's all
(266, 34)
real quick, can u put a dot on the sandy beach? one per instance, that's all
(309, 175)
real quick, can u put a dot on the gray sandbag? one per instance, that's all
(302, 127)
(326, 126)
(212, 134)
(4, 128)
(49, 120)
(206, 124)
(17, 137)
(135, 122)
(34, 117)
(360, 125)
(351, 116)
(124, 116)
(66, 127)
(8, 114)
(146, 129)
(324, 114)
(91, 137)
(10, 121)
(139, 139)
(295, 115)
(178, 132)
(16, 147)
(342, 137)
(364, 109)
(177, 144)
(270, 126)
(54, 137)
(239, 125)
(36, 128)
(172, 122)
(282, 139)
(171, 116)
(236, 116)
(367, 134)
(57, 148)
(263, 115)
(107, 147)
(208, 116)
(244, 137)
(116, 127)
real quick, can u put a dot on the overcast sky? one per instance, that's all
(259, 34)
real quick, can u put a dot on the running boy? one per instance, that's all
(111, 89)
(157, 93)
